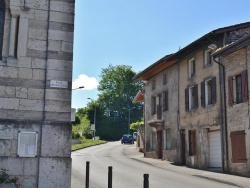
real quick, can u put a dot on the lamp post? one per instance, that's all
(81, 87)
(128, 117)
(94, 115)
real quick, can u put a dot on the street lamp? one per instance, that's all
(128, 117)
(81, 87)
(94, 115)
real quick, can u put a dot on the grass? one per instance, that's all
(87, 143)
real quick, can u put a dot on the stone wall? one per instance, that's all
(170, 117)
(238, 114)
(41, 53)
(202, 118)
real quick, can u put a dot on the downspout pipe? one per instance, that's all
(44, 98)
(223, 121)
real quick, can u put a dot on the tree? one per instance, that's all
(81, 125)
(117, 91)
(134, 126)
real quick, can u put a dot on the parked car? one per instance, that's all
(135, 135)
(127, 138)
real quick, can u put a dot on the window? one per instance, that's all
(153, 84)
(164, 79)
(165, 101)
(208, 92)
(167, 139)
(159, 107)
(2, 18)
(153, 141)
(153, 105)
(192, 142)
(191, 98)
(237, 88)
(207, 57)
(191, 68)
(238, 141)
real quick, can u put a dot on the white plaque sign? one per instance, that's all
(92, 127)
(27, 144)
(58, 84)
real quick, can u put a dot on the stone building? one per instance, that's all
(195, 115)
(160, 94)
(36, 44)
(235, 62)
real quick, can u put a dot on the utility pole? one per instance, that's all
(128, 117)
(94, 116)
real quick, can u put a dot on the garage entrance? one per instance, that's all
(215, 159)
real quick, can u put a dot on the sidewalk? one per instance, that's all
(133, 153)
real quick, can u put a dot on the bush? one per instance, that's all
(87, 143)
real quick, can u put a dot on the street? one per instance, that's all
(128, 172)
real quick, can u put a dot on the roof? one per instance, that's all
(171, 59)
(232, 47)
(139, 97)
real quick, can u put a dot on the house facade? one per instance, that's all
(197, 108)
(36, 52)
(234, 60)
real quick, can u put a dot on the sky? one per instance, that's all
(137, 33)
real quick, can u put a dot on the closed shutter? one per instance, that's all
(196, 96)
(238, 143)
(187, 99)
(213, 90)
(192, 138)
(2, 18)
(244, 86)
(230, 91)
(194, 67)
(203, 93)
(166, 101)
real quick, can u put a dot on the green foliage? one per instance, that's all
(82, 129)
(87, 143)
(134, 126)
(116, 92)
(6, 179)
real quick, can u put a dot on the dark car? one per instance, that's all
(127, 138)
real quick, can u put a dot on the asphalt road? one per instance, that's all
(128, 172)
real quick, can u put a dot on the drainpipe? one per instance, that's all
(178, 119)
(224, 134)
(44, 97)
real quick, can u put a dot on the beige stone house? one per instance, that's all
(192, 131)
(235, 63)
(36, 52)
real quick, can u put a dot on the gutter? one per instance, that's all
(224, 134)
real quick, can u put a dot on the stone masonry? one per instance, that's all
(37, 51)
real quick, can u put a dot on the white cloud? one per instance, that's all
(89, 83)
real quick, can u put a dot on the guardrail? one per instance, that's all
(110, 177)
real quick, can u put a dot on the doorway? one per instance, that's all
(183, 148)
(159, 144)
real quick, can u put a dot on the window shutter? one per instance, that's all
(238, 143)
(230, 91)
(244, 86)
(166, 100)
(203, 93)
(213, 90)
(194, 66)
(187, 99)
(196, 96)
(2, 18)
(190, 141)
